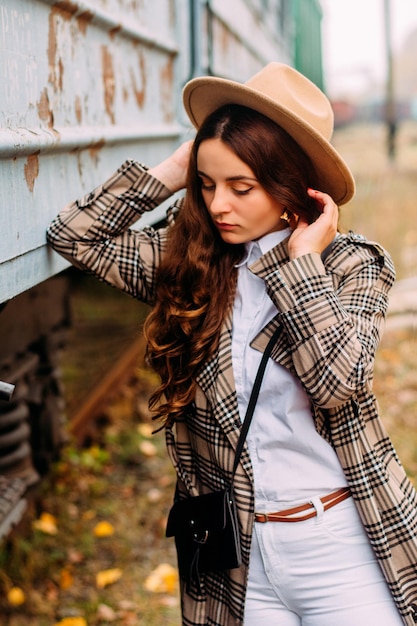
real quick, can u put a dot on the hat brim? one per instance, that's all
(202, 96)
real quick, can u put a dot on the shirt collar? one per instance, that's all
(255, 249)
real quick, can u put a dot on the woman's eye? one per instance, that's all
(243, 192)
(239, 191)
(207, 186)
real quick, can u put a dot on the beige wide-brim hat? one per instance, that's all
(291, 100)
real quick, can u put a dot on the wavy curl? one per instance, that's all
(196, 280)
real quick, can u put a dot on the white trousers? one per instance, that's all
(320, 572)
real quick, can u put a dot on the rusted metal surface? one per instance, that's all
(243, 36)
(88, 83)
(84, 85)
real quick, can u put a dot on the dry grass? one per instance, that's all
(384, 208)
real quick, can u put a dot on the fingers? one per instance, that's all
(322, 199)
(315, 237)
(172, 172)
(325, 204)
(182, 154)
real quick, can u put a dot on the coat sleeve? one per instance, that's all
(95, 234)
(333, 317)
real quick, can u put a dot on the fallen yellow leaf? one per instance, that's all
(72, 621)
(148, 448)
(145, 430)
(108, 577)
(46, 524)
(65, 579)
(163, 579)
(103, 529)
(16, 596)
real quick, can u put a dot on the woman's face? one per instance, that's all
(240, 208)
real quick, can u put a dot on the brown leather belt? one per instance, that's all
(286, 516)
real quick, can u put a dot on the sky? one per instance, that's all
(354, 53)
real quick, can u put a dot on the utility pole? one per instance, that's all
(390, 113)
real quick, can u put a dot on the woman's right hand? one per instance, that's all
(172, 172)
(309, 238)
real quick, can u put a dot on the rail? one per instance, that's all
(82, 423)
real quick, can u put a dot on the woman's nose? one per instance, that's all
(219, 203)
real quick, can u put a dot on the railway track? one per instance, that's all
(83, 424)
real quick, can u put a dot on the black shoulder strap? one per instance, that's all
(254, 397)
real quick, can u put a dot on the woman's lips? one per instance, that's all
(224, 226)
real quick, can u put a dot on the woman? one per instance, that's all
(255, 246)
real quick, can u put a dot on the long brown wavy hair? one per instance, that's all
(197, 277)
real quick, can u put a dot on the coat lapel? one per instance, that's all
(280, 353)
(217, 381)
(267, 263)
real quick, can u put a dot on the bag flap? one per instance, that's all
(198, 514)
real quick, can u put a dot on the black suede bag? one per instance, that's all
(206, 527)
(206, 531)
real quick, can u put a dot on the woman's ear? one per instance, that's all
(290, 218)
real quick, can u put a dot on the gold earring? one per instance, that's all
(286, 216)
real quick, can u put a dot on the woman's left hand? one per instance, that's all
(172, 172)
(307, 238)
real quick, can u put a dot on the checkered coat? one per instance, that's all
(331, 316)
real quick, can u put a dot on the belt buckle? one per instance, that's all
(261, 517)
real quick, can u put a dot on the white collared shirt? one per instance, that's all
(291, 461)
